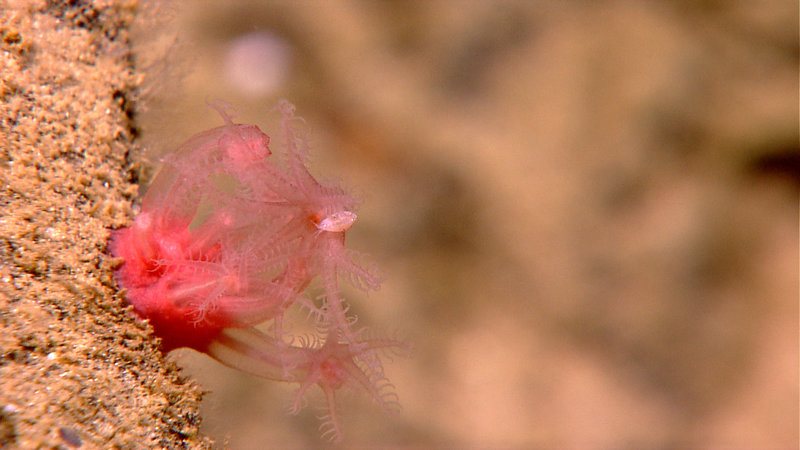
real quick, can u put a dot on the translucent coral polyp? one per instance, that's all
(231, 236)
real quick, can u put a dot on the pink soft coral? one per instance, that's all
(228, 239)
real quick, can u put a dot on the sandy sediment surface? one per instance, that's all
(76, 369)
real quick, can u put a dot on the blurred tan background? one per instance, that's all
(587, 211)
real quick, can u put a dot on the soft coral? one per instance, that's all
(228, 239)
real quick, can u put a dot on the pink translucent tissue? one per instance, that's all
(231, 236)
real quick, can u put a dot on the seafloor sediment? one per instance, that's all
(76, 368)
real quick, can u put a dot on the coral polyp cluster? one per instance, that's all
(231, 236)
